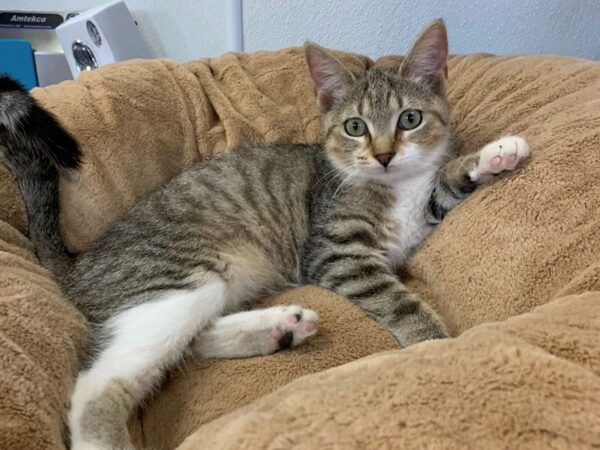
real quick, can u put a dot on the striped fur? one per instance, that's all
(249, 223)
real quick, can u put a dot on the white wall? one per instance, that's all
(188, 29)
(380, 27)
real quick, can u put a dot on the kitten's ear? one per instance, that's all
(427, 60)
(329, 76)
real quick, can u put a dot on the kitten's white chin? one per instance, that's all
(390, 175)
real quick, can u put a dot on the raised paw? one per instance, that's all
(503, 154)
(293, 325)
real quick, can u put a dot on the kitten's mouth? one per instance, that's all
(377, 172)
(386, 175)
(380, 169)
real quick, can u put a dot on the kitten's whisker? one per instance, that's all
(339, 173)
(326, 174)
(336, 177)
(344, 181)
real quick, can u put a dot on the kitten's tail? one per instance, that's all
(35, 147)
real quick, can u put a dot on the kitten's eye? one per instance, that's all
(355, 127)
(409, 119)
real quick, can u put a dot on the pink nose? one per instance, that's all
(384, 158)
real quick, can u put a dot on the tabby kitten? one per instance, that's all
(342, 215)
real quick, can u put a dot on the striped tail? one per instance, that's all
(35, 146)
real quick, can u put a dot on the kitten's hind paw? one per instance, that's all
(256, 332)
(500, 155)
(293, 326)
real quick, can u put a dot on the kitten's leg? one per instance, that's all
(258, 332)
(369, 282)
(142, 342)
(460, 176)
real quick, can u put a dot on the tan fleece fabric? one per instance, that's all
(530, 382)
(41, 334)
(12, 210)
(521, 242)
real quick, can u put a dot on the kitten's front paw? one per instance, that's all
(503, 154)
(293, 325)
(421, 326)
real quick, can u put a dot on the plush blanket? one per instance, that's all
(514, 271)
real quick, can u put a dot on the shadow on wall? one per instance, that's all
(389, 26)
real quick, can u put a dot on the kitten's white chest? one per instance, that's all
(409, 224)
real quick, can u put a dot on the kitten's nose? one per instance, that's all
(384, 158)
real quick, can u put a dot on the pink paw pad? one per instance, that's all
(293, 319)
(503, 154)
(310, 326)
(292, 326)
(276, 333)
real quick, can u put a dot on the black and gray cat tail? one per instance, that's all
(35, 146)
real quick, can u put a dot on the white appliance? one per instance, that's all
(51, 68)
(101, 36)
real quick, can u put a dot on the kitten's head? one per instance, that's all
(385, 123)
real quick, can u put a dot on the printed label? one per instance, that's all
(30, 20)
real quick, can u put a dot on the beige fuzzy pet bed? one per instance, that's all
(514, 271)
